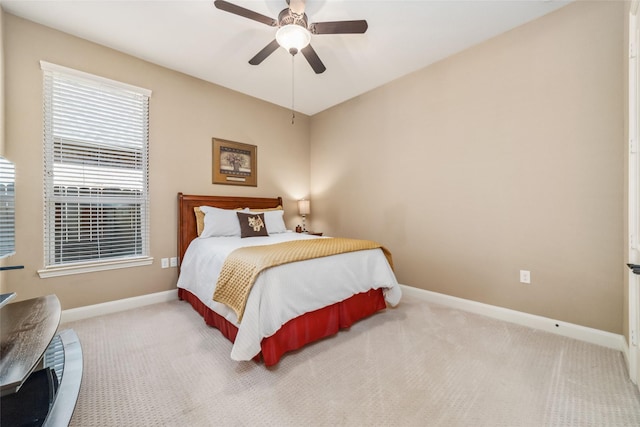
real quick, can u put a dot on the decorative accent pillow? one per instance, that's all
(273, 220)
(219, 222)
(252, 225)
(199, 219)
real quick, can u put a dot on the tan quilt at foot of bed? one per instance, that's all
(243, 265)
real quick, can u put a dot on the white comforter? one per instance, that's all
(284, 292)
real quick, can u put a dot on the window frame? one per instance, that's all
(49, 140)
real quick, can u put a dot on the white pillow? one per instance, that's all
(220, 222)
(274, 221)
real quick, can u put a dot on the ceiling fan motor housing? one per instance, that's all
(288, 17)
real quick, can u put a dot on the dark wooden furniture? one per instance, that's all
(40, 372)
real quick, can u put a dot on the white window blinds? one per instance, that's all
(7, 208)
(96, 178)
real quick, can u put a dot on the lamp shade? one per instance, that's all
(293, 36)
(304, 207)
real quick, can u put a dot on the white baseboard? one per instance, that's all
(625, 354)
(582, 333)
(88, 311)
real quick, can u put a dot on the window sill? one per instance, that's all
(67, 270)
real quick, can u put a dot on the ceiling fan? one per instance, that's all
(294, 30)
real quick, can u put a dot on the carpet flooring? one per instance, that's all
(419, 364)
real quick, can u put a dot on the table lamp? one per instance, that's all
(304, 208)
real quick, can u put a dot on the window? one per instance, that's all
(7, 208)
(96, 180)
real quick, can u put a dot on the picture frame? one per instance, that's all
(234, 163)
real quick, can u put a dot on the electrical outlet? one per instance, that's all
(164, 262)
(525, 276)
(173, 261)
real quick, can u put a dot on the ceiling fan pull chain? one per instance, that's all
(293, 111)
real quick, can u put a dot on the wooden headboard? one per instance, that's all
(187, 219)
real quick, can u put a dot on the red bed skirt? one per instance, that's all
(302, 330)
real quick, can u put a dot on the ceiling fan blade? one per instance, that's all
(246, 13)
(339, 27)
(266, 51)
(313, 59)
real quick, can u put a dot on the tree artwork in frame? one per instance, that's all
(235, 163)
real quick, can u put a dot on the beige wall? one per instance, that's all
(185, 113)
(2, 127)
(507, 156)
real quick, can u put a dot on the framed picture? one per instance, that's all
(235, 163)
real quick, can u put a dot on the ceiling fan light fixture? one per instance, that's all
(293, 38)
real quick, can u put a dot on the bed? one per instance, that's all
(289, 305)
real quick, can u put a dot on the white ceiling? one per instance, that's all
(195, 38)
